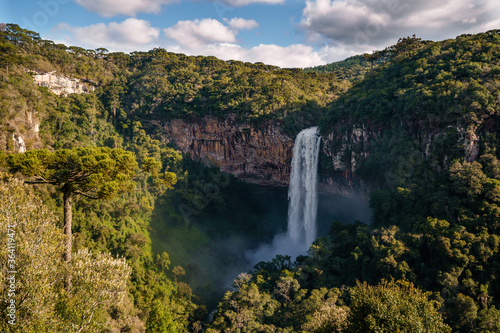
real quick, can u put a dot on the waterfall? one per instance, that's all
(302, 202)
(302, 192)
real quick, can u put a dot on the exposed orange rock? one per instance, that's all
(259, 155)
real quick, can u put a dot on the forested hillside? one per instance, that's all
(430, 261)
(352, 69)
(169, 85)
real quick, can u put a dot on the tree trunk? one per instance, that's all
(68, 216)
(67, 224)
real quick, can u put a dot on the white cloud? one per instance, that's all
(368, 24)
(241, 23)
(194, 34)
(129, 35)
(296, 55)
(211, 37)
(197, 33)
(490, 25)
(110, 8)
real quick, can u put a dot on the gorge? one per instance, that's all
(267, 217)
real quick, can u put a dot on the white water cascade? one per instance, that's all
(302, 202)
(302, 192)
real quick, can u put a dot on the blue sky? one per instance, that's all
(286, 33)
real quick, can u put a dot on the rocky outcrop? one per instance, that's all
(259, 155)
(343, 150)
(346, 148)
(18, 143)
(263, 154)
(471, 143)
(20, 133)
(61, 85)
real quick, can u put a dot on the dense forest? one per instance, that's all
(429, 262)
(352, 69)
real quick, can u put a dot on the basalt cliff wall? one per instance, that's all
(342, 151)
(258, 154)
(347, 146)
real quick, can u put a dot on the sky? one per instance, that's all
(285, 33)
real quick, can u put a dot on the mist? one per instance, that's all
(331, 208)
(215, 249)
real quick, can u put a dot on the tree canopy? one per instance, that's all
(41, 301)
(92, 172)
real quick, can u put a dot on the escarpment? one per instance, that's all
(257, 154)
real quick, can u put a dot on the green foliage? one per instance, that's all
(99, 283)
(432, 155)
(436, 208)
(207, 223)
(352, 69)
(23, 216)
(279, 304)
(42, 303)
(282, 306)
(169, 85)
(93, 172)
(431, 110)
(393, 307)
(433, 84)
(8, 56)
(489, 321)
(121, 226)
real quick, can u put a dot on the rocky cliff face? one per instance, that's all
(259, 155)
(263, 155)
(341, 153)
(21, 133)
(61, 85)
(346, 148)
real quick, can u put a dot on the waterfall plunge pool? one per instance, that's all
(303, 205)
